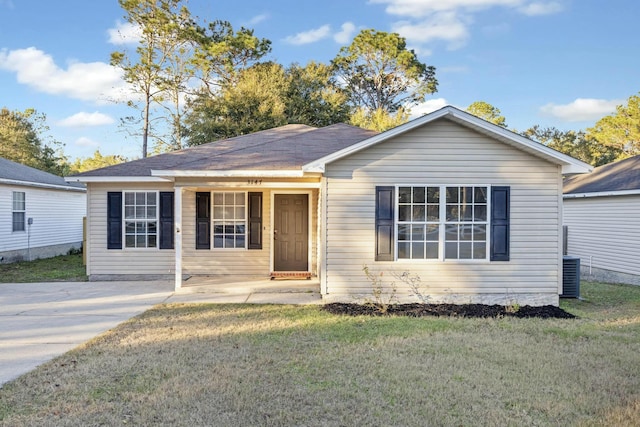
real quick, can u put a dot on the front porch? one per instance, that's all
(250, 290)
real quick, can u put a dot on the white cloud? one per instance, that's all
(445, 26)
(90, 81)
(257, 19)
(344, 36)
(310, 36)
(537, 8)
(420, 8)
(427, 107)
(582, 109)
(86, 142)
(124, 33)
(83, 119)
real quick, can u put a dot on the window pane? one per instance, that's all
(218, 227)
(417, 249)
(218, 241)
(452, 213)
(240, 199)
(229, 242)
(130, 241)
(417, 232)
(229, 198)
(404, 213)
(240, 228)
(480, 213)
(129, 198)
(433, 213)
(152, 228)
(141, 241)
(451, 250)
(403, 232)
(218, 198)
(141, 198)
(479, 250)
(129, 212)
(151, 199)
(404, 194)
(432, 250)
(239, 213)
(152, 241)
(465, 250)
(479, 232)
(218, 212)
(228, 229)
(466, 213)
(418, 195)
(433, 195)
(418, 213)
(141, 227)
(228, 213)
(451, 232)
(240, 241)
(466, 232)
(466, 195)
(130, 227)
(140, 212)
(452, 194)
(480, 195)
(151, 212)
(433, 233)
(403, 250)
(18, 221)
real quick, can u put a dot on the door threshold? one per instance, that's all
(296, 275)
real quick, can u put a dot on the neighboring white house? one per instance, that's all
(41, 213)
(473, 209)
(602, 215)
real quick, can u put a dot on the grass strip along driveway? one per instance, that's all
(241, 365)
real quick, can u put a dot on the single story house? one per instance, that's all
(470, 208)
(42, 213)
(602, 215)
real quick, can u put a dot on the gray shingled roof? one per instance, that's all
(618, 176)
(13, 171)
(283, 148)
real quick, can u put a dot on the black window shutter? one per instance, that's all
(203, 220)
(114, 220)
(385, 202)
(255, 220)
(166, 220)
(500, 223)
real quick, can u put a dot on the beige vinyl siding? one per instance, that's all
(126, 261)
(605, 232)
(244, 262)
(57, 217)
(444, 153)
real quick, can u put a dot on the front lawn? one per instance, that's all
(269, 365)
(66, 268)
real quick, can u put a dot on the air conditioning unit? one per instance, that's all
(570, 277)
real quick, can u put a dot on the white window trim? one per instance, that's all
(124, 221)
(246, 222)
(442, 226)
(13, 210)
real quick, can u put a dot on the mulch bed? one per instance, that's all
(448, 310)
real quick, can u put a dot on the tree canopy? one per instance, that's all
(379, 72)
(621, 130)
(487, 112)
(22, 137)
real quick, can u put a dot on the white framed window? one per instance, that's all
(442, 222)
(19, 209)
(229, 219)
(141, 219)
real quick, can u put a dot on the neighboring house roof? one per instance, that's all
(293, 150)
(622, 177)
(569, 164)
(279, 151)
(18, 174)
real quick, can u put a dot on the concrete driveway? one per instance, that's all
(39, 321)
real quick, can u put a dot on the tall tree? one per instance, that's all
(487, 112)
(575, 144)
(379, 72)
(23, 139)
(96, 162)
(160, 22)
(378, 120)
(620, 130)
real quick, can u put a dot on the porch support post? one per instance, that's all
(178, 237)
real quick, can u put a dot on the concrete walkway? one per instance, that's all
(39, 321)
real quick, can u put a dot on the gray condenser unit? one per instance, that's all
(570, 277)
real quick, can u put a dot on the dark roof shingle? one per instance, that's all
(13, 171)
(618, 176)
(286, 147)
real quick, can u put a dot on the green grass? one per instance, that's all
(60, 268)
(269, 365)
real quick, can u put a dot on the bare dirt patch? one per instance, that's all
(448, 310)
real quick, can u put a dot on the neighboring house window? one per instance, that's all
(19, 211)
(140, 219)
(442, 223)
(229, 219)
(233, 218)
(144, 218)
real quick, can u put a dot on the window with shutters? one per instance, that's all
(229, 220)
(442, 222)
(141, 219)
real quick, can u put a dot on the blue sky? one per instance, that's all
(562, 63)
